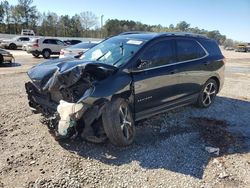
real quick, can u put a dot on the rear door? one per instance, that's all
(22, 40)
(155, 78)
(191, 66)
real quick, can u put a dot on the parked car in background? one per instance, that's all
(124, 79)
(5, 56)
(229, 48)
(241, 48)
(77, 50)
(72, 42)
(248, 47)
(26, 44)
(45, 47)
(14, 43)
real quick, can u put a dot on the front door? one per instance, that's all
(155, 78)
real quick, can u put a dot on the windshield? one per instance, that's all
(114, 51)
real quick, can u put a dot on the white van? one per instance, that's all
(28, 32)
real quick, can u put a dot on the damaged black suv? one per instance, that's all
(125, 78)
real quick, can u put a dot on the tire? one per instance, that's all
(118, 122)
(35, 54)
(12, 46)
(207, 94)
(1, 59)
(46, 53)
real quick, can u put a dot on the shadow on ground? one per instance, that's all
(176, 140)
(10, 64)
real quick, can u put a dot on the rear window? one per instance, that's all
(188, 49)
(211, 47)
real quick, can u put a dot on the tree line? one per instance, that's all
(24, 15)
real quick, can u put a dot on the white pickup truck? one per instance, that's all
(14, 43)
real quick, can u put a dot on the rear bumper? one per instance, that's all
(8, 57)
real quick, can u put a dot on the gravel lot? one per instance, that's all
(169, 151)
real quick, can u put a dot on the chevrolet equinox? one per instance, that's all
(124, 79)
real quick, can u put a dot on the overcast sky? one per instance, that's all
(230, 17)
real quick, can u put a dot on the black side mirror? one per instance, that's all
(143, 64)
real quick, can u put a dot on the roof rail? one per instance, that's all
(184, 34)
(133, 32)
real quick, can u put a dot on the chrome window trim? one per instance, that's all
(180, 62)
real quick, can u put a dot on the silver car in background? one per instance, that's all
(77, 50)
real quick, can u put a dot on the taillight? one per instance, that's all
(35, 45)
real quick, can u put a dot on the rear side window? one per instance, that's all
(59, 42)
(188, 50)
(24, 39)
(159, 54)
(211, 46)
(49, 41)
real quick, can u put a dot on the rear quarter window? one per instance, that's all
(188, 49)
(211, 46)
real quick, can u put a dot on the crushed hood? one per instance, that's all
(63, 73)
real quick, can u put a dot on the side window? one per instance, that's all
(24, 39)
(49, 41)
(46, 41)
(53, 41)
(159, 54)
(188, 50)
(59, 42)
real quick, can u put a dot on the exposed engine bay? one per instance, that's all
(58, 90)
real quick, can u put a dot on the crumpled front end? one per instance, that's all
(58, 90)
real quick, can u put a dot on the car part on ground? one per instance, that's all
(77, 50)
(45, 47)
(124, 79)
(6, 56)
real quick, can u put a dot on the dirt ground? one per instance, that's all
(170, 149)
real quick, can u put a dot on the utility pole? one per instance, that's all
(102, 25)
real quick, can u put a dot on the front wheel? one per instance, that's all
(12, 46)
(118, 122)
(207, 94)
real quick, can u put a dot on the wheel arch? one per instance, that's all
(217, 80)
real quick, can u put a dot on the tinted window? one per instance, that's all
(211, 46)
(159, 54)
(59, 42)
(50, 41)
(188, 50)
(24, 39)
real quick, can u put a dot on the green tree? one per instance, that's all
(182, 26)
(7, 14)
(27, 11)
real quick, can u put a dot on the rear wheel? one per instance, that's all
(118, 122)
(1, 59)
(207, 94)
(35, 54)
(46, 53)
